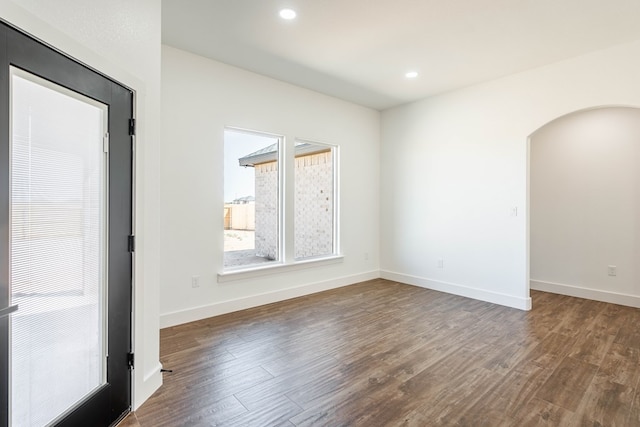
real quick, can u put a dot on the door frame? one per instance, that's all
(23, 51)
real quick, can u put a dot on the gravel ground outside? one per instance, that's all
(239, 248)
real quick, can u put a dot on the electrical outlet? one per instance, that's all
(440, 263)
(195, 281)
(366, 256)
(612, 270)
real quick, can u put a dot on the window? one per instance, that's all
(252, 198)
(314, 221)
(256, 200)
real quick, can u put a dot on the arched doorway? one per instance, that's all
(584, 200)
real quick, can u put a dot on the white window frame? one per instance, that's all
(335, 165)
(280, 203)
(286, 215)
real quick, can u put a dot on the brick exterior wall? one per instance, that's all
(266, 177)
(313, 206)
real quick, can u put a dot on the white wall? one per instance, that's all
(121, 38)
(201, 97)
(454, 166)
(585, 205)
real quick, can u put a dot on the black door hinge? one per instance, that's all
(132, 127)
(132, 243)
(130, 360)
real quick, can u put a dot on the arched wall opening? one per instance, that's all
(584, 205)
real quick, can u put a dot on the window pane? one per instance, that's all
(251, 194)
(314, 200)
(57, 250)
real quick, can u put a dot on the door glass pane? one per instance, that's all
(251, 199)
(58, 249)
(314, 222)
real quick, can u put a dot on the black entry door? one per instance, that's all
(65, 239)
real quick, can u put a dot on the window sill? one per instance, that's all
(261, 270)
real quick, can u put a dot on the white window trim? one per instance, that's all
(286, 231)
(336, 197)
(259, 270)
(281, 180)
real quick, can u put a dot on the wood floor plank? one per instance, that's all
(568, 383)
(317, 370)
(130, 421)
(275, 412)
(512, 393)
(191, 367)
(347, 405)
(380, 353)
(414, 418)
(177, 342)
(551, 351)
(629, 334)
(634, 416)
(591, 346)
(439, 391)
(228, 385)
(539, 413)
(485, 419)
(621, 365)
(578, 314)
(198, 409)
(450, 405)
(606, 403)
(215, 414)
(609, 321)
(344, 377)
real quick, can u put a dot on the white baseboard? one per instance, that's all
(465, 291)
(216, 309)
(580, 292)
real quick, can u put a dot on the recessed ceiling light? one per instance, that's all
(411, 74)
(287, 14)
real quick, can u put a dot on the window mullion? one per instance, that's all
(287, 186)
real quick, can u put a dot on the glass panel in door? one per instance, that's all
(58, 249)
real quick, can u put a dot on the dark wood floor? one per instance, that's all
(381, 353)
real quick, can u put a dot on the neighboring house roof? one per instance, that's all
(270, 153)
(244, 200)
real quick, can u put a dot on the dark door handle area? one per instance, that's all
(4, 312)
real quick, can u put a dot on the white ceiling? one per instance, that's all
(359, 50)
